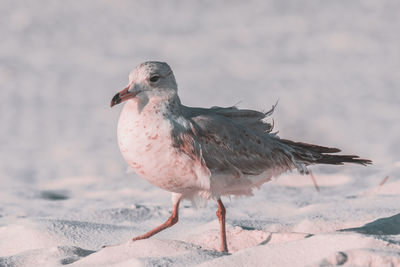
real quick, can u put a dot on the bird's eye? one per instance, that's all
(154, 78)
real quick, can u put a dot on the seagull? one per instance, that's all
(202, 154)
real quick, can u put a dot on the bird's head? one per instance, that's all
(149, 79)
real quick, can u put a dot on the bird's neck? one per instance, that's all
(168, 106)
(158, 105)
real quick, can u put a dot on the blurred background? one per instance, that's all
(333, 65)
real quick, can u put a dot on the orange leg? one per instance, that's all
(171, 221)
(221, 217)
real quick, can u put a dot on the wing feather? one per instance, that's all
(236, 142)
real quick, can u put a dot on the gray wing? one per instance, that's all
(255, 120)
(234, 141)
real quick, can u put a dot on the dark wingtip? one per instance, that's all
(365, 162)
(341, 159)
(356, 159)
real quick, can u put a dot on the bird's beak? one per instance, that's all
(123, 96)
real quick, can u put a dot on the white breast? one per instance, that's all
(146, 144)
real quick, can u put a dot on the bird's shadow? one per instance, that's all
(382, 226)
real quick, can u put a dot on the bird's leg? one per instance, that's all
(221, 217)
(171, 221)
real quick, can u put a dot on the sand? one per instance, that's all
(64, 189)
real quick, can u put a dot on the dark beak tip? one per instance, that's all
(115, 100)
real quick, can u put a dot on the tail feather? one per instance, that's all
(314, 154)
(311, 147)
(340, 159)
